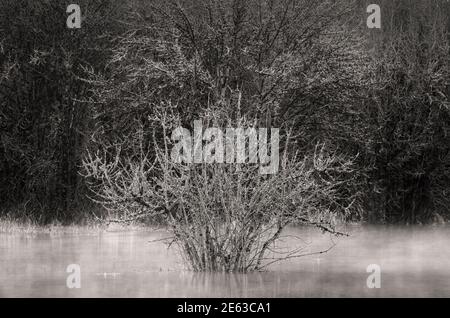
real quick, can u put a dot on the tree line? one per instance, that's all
(374, 101)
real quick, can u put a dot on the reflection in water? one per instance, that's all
(415, 261)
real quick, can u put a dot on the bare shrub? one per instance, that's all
(223, 217)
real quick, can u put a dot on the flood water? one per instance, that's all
(414, 262)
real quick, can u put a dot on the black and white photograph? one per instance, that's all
(236, 150)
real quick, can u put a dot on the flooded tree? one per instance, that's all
(377, 96)
(222, 216)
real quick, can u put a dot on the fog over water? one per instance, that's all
(414, 262)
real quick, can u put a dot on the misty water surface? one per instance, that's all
(414, 261)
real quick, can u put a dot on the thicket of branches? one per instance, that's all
(377, 98)
(406, 138)
(43, 119)
(222, 217)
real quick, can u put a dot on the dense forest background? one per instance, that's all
(313, 68)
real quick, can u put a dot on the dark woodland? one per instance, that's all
(364, 114)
